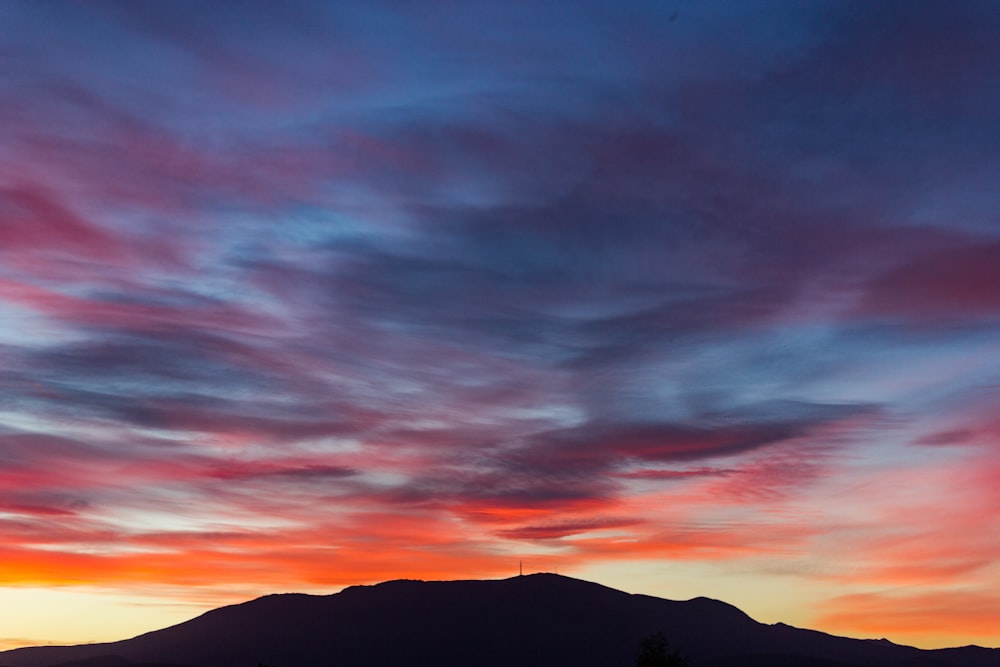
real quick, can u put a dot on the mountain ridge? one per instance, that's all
(532, 620)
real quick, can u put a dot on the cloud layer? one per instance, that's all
(295, 297)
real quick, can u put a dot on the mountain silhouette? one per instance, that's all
(526, 621)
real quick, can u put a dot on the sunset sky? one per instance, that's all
(686, 298)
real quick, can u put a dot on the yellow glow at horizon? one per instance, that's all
(765, 597)
(38, 616)
(35, 616)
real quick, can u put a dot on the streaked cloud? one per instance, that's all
(296, 296)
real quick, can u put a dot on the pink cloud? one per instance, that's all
(954, 283)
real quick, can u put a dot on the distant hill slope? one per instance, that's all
(535, 620)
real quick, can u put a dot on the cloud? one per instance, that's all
(31, 217)
(557, 530)
(943, 287)
(667, 475)
(315, 295)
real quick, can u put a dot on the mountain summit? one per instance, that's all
(534, 620)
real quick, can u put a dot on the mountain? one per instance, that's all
(534, 620)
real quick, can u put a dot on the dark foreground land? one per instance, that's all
(536, 620)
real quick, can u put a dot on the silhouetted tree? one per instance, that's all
(655, 651)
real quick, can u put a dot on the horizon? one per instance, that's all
(690, 299)
(466, 581)
(498, 578)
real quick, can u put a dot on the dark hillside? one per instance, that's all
(536, 620)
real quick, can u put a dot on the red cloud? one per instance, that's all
(956, 283)
(33, 220)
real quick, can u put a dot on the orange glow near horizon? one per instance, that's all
(699, 520)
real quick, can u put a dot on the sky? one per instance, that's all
(686, 298)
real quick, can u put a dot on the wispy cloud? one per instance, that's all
(315, 295)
